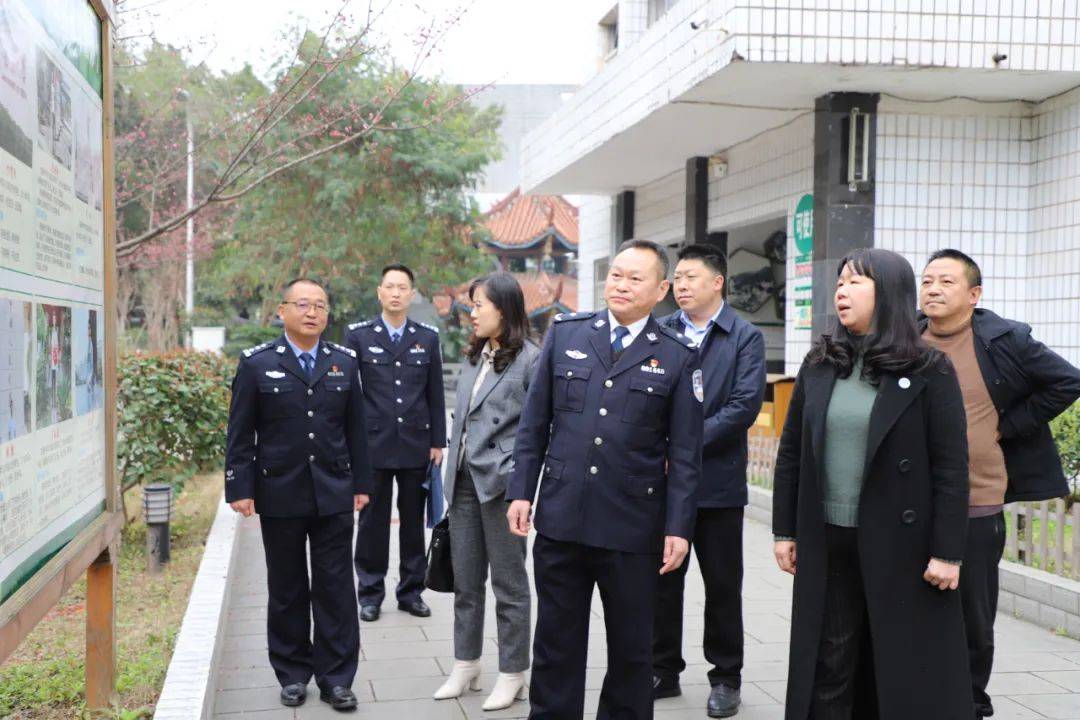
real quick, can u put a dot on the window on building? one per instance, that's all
(600, 270)
(659, 8)
(609, 33)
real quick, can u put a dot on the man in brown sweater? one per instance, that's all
(1012, 387)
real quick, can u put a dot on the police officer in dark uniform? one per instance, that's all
(297, 455)
(405, 409)
(614, 417)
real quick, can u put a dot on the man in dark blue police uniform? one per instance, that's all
(614, 417)
(405, 409)
(296, 455)
(732, 355)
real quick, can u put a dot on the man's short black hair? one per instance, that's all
(710, 255)
(296, 281)
(657, 248)
(971, 268)
(400, 268)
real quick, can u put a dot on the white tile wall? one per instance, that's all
(766, 177)
(633, 21)
(1052, 275)
(660, 209)
(595, 232)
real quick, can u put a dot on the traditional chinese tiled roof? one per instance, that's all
(542, 292)
(520, 221)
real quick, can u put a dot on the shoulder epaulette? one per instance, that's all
(258, 348)
(432, 328)
(363, 323)
(563, 317)
(342, 348)
(677, 336)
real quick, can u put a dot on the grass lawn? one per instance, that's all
(44, 678)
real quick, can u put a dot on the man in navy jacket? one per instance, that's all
(732, 357)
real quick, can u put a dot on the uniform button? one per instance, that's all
(397, 363)
(908, 517)
(264, 472)
(397, 382)
(599, 441)
(649, 389)
(904, 465)
(310, 391)
(311, 413)
(649, 491)
(569, 373)
(997, 381)
(311, 436)
(593, 470)
(603, 411)
(400, 420)
(276, 390)
(311, 458)
(608, 383)
(398, 401)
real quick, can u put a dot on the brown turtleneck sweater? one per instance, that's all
(986, 462)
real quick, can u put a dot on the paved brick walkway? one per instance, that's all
(403, 659)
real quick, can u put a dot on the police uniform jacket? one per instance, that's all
(296, 446)
(603, 432)
(404, 401)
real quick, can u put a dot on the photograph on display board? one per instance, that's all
(88, 176)
(87, 329)
(55, 134)
(16, 111)
(75, 29)
(53, 352)
(16, 326)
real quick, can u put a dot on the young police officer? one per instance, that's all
(401, 371)
(296, 454)
(614, 416)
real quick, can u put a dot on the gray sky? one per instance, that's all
(516, 41)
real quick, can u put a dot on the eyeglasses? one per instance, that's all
(303, 306)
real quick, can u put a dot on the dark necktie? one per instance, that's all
(308, 363)
(619, 344)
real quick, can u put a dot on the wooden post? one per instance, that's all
(100, 632)
(1059, 538)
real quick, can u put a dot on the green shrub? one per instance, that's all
(1066, 429)
(173, 409)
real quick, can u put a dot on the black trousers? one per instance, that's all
(843, 678)
(565, 574)
(295, 600)
(979, 597)
(718, 541)
(373, 537)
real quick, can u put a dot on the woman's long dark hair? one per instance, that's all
(504, 292)
(893, 344)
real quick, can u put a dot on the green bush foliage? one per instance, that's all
(172, 412)
(1066, 427)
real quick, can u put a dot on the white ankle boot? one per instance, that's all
(508, 688)
(465, 673)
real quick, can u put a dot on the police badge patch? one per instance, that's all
(699, 386)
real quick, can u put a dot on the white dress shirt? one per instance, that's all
(635, 329)
(695, 333)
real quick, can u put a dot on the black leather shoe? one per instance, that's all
(723, 702)
(665, 688)
(339, 697)
(417, 608)
(369, 613)
(293, 695)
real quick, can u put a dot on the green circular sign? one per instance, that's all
(804, 224)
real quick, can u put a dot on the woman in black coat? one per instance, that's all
(874, 529)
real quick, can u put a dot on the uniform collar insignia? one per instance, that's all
(326, 350)
(599, 323)
(280, 349)
(651, 336)
(378, 328)
(412, 328)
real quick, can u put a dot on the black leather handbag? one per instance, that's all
(440, 571)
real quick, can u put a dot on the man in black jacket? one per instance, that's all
(732, 355)
(1013, 386)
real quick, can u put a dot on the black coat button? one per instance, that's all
(491, 445)
(908, 517)
(904, 465)
(494, 421)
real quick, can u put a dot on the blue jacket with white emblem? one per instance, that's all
(296, 445)
(604, 432)
(404, 400)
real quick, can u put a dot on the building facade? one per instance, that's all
(790, 132)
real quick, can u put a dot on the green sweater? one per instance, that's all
(847, 424)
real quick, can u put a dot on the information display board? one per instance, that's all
(52, 260)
